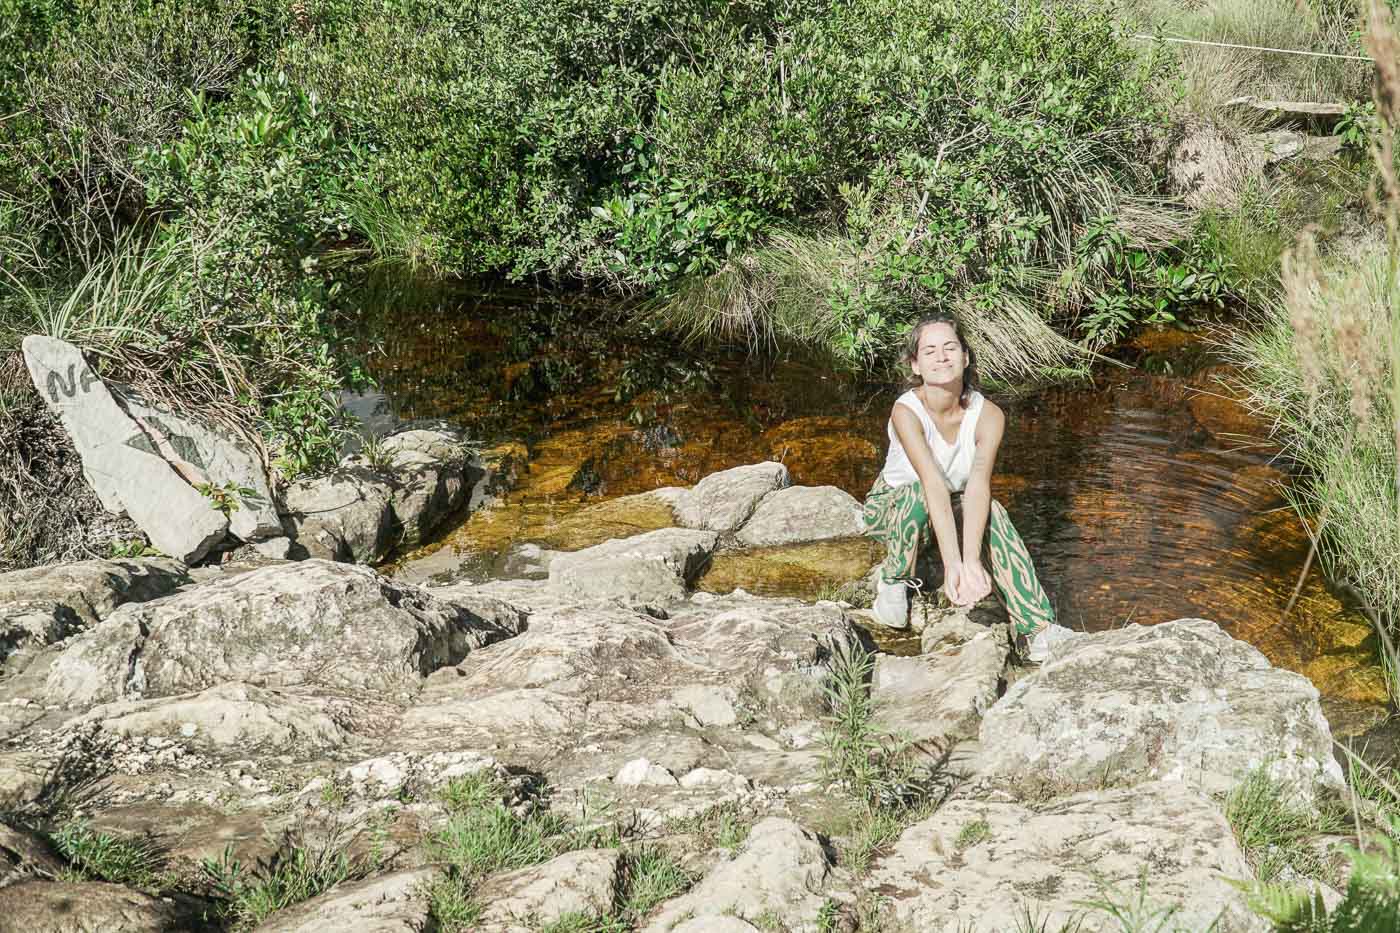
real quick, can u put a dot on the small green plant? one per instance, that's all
(451, 904)
(650, 875)
(131, 547)
(973, 832)
(378, 454)
(295, 873)
(468, 792)
(1273, 829)
(226, 498)
(106, 857)
(725, 825)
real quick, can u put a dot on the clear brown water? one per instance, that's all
(1143, 497)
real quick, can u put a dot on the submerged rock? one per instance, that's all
(1181, 701)
(984, 865)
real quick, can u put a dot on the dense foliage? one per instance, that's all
(187, 189)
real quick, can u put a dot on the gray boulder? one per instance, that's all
(429, 480)
(982, 866)
(360, 512)
(778, 877)
(120, 461)
(647, 569)
(345, 516)
(802, 513)
(42, 605)
(1181, 700)
(723, 501)
(314, 623)
(574, 883)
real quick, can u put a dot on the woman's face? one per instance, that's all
(940, 359)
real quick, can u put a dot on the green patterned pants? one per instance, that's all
(898, 516)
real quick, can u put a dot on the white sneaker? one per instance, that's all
(1045, 641)
(891, 606)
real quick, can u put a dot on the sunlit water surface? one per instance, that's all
(1143, 496)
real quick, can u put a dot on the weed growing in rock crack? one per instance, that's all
(877, 769)
(377, 454)
(973, 832)
(295, 873)
(725, 826)
(470, 792)
(100, 856)
(482, 836)
(1273, 830)
(650, 875)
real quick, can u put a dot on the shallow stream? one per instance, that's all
(1144, 494)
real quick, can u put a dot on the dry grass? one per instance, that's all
(1212, 76)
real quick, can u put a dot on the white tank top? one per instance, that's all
(955, 459)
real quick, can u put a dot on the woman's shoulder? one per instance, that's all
(909, 400)
(990, 417)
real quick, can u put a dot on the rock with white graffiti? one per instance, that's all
(123, 464)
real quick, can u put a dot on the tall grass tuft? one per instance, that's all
(1324, 364)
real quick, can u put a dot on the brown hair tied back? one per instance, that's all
(971, 381)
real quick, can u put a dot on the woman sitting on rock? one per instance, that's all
(943, 445)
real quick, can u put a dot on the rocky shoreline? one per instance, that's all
(263, 707)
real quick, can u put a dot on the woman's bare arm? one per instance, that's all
(977, 495)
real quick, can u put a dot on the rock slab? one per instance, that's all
(317, 623)
(120, 461)
(41, 605)
(982, 865)
(1181, 700)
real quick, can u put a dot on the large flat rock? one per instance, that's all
(220, 456)
(334, 626)
(120, 461)
(1181, 700)
(983, 865)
